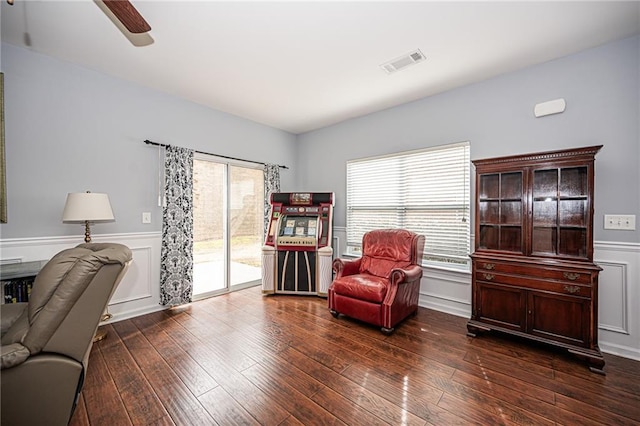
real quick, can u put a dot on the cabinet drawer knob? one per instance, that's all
(571, 276)
(488, 277)
(571, 289)
(489, 266)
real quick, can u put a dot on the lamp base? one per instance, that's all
(87, 232)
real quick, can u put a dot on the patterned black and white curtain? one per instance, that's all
(271, 184)
(176, 273)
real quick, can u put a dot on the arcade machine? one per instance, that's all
(297, 255)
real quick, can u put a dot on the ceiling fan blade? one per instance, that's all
(128, 15)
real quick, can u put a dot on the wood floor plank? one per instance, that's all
(594, 413)
(503, 379)
(224, 409)
(287, 397)
(415, 397)
(473, 412)
(399, 355)
(296, 378)
(100, 392)
(348, 413)
(371, 402)
(626, 407)
(246, 359)
(180, 403)
(234, 383)
(142, 404)
(493, 404)
(189, 371)
(291, 421)
(546, 409)
(210, 332)
(485, 357)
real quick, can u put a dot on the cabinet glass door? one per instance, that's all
(560, 206)
(573, 212)
(500, 207)
(545, 212)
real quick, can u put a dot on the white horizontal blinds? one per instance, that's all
(424, 191)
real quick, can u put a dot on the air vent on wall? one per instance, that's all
(403, 61)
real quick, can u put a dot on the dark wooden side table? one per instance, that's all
(16, 280)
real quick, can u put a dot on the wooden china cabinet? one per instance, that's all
(533, 270)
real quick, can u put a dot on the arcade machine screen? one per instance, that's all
(299, 226)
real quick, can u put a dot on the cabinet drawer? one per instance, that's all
(562, 287)
(571, 275)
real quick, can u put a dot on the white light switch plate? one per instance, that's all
(626, 222)
(146, 217)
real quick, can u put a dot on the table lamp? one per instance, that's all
(87, 207)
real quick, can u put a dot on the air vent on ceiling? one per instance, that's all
(403, 61)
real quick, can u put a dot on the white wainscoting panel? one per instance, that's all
(339, 236)
(446, 291)
(619, 298)
(139, 291)
(613, 314)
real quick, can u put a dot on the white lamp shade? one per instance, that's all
(87, 206)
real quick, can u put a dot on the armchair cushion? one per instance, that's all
(363, 287)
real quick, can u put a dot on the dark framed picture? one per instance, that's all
(3, 175)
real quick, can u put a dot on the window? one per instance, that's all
(424, 191)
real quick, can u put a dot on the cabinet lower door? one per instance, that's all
(560, 318)
(501, 305)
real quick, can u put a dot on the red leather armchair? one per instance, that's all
(382, 287)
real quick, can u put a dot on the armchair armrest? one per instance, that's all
(344, 267)
(13, 354)
(410, 274)
(9, 313)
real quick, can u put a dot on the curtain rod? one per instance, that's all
(148, 142)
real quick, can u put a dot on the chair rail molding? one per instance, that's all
(139, 291)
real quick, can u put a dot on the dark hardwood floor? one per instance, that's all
(245, 359)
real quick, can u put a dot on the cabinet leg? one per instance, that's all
(596, 365)
(595, 360)
(471, 330)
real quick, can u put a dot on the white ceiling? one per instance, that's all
(300, 66)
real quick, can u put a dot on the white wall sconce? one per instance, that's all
(555, 106)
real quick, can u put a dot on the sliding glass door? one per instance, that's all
(228, 224)
(246, 213)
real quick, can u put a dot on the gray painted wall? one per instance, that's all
(602, 91)
(71, 129)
